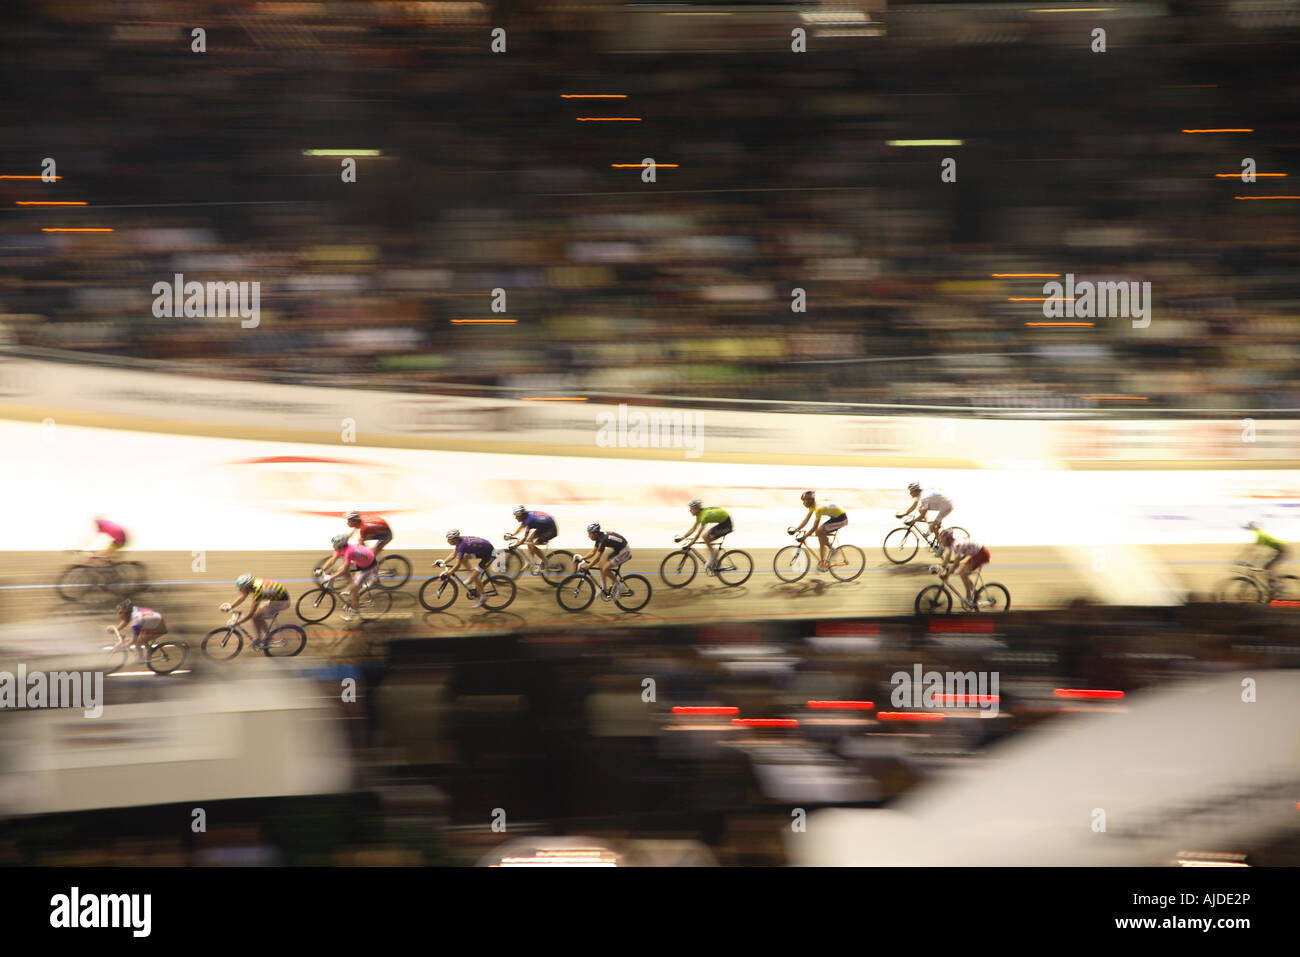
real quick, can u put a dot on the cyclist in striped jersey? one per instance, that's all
(269, 599)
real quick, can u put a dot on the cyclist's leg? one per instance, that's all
(965, 570)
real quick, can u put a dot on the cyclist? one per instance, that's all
(610, 550)
(1266, 544)
(538, 528)
(467, 548)
(146, 626)
(721, 522)
(371, 531)
(110, 537)
(357, 559)
(928, 500)
(965, 558)
(835, 519)
(269, 599)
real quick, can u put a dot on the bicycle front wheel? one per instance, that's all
(167, 656)
(735, 567)
(1241, 590)
(394, 571)
(437, 594)
(933, 600)
(679, 568)
(78, 582)
(222, 644)
(847, 562)
(316, 605)
(791, 563)
(636, 593)
(575, 593)
(993, 597)
(901, 545)
(114, 660)
(285, 642)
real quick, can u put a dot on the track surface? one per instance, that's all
(1037, 577)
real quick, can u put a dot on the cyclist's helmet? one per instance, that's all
(694, 504)
(1250, 527)
(244, 582)
(915, 488)
(521, 513)
(339, 541)
(124, 606)
(593, 529)
(808, 498)
(353, 518)
(454, 535)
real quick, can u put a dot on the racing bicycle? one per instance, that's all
(440, 591)
(902, 544)
(844, 562)
(224, 643)
(1256, 586)
(316, 604)
(937, 599)
(92, 577)
(681, 565)
(392, 571)
(555, 564)
(579, 590)
(163, 656)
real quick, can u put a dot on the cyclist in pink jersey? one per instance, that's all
(358, 559)
(109, 538)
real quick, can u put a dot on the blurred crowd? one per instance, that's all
(1070, 162)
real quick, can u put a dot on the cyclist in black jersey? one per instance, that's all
(610, 550)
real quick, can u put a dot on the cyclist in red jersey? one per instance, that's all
(371, 530)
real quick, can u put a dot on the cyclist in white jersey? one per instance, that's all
(928, 500)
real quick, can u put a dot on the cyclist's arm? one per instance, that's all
(805, 521)
(240, 600)
(915, 502)
(329, 563)
(815, 525)
(694, 532)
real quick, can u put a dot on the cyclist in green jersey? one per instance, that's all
(1267, 547)
(829, 518)
(721, 522)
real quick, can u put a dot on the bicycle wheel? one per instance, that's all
(997, 594)
(222, 644)
(316, 605)
(557, 566)
(791, 563)
(437, 594)
(636, 593)
(374, 603)
(394, 571)
(901, 545)
(78, 582)
(286, 641)
(933, 600)
(735, 567)
(1241, 590)
(114, 660)
(505, 593)
(315, 576)
(509, 564)
(1288, 588)
(166, 656)
(847, 562)
(575, 593)
(679, 568)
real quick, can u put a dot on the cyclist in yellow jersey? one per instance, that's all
(828, 518)
(269, 599)
(721, 522)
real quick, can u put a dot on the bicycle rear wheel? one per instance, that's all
(166, 656)
(735, 567)
(394, 571)
(933, 600)
(1288, 588)
(510, 564)
(505, 593)
(557, 566)
(374, 603)
(997, 594)
(791, 563)
(901, 545)
(575, 593)
(847, 562)
(437, 594)
(316, 605)
(636, 593)
(679, 568)
(285, 641)
(222, 644)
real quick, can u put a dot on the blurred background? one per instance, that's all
(489, 184)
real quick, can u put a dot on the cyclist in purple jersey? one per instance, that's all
(538, 528)
(474, 552)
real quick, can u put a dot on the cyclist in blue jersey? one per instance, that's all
(474, 552)
(538, 528)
